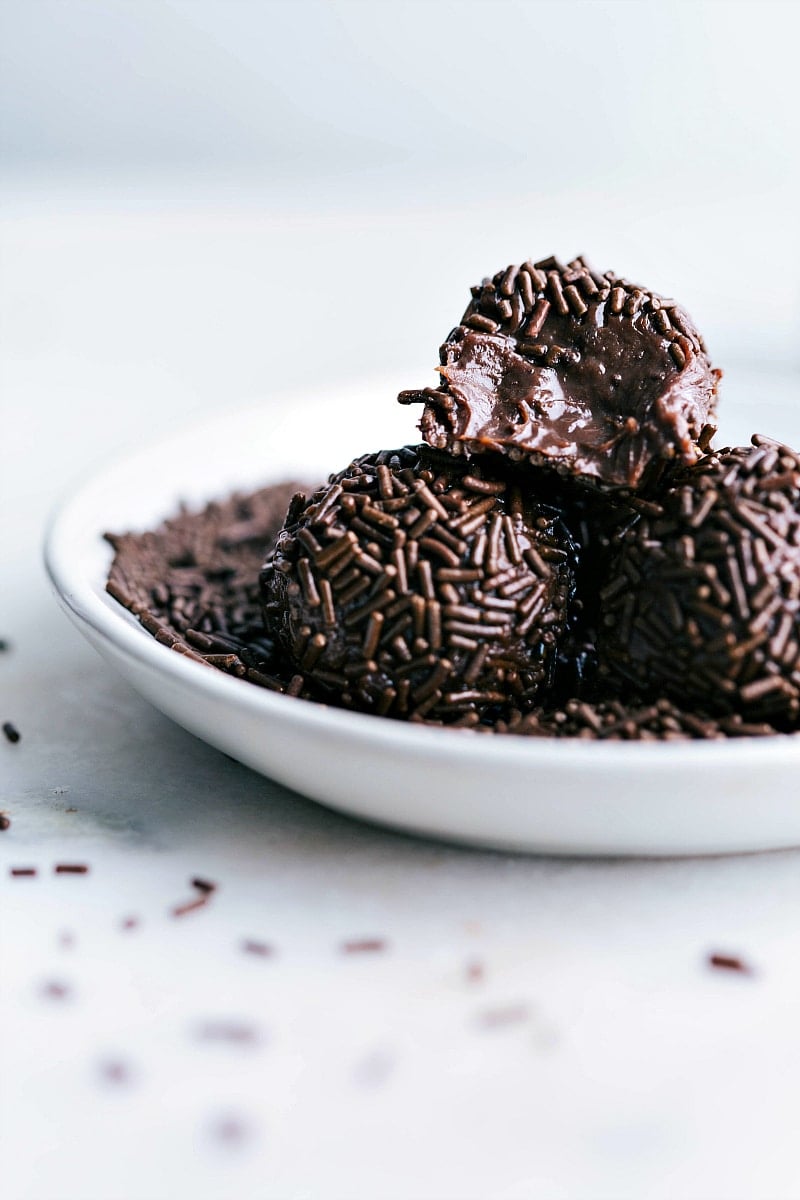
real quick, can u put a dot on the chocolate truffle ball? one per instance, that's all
(702, 597)
(585, 372)
(416, 585)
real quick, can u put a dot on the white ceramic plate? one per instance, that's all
(562, 797)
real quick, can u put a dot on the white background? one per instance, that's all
(207, 203)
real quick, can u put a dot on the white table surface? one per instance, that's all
(597, 1056)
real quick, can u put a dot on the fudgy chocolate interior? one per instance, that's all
(586, 372)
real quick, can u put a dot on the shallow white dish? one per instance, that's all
(561, 797)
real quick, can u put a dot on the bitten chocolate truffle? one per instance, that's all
(587, 373)
(419, 586)
(702, 599)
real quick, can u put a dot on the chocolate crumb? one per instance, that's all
(730, 962)
(71, 869)
(11, 732)
(20, 872)
(364, 946)
(260, 949)
(5, 821)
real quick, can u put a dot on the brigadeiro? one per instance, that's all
(582, 371)
(420, 586)
(702, 597)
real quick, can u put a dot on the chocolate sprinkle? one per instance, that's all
(5, 822)
(70, 869)
(181, 910)
(501, 1017)
(54, 989)
(258, 949)
(22, 872)
(203, 885)
(12, 733)
(729, 962)
(474, 971)
(364, 946)
(116, 1072)
(234, 1032)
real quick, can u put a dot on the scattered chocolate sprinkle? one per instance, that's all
(230, 1130)
(20, 872)
(203, 885)
(474, 971)
(729, 962)
(71, 869)
(364, 946)
(128, 923)
(116, 1072)
(500, 1018)
(259, 949)
(54, 989)
(4, 645)
(11, 732)
(234, 1032)
(180, 910)
(5, 822)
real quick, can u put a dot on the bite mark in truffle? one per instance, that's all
(588, 373)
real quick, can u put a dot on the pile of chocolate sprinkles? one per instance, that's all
(193, 583)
